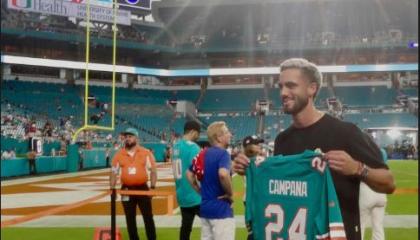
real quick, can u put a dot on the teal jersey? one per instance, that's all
(292, 197)
(182, 156)
(384, 155)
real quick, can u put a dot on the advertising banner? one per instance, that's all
(71, 9)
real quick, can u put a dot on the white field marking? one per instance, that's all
(391, 221)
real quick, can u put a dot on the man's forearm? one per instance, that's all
(380, 180)
(153, 178)
(195, 186)
(112, 180)
(191, 179)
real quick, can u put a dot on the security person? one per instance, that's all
(133, 162)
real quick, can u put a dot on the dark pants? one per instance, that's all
(80, 163)
(188, 214)
(145, 205)
(32, 166)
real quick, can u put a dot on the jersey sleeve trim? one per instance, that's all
(336, 232)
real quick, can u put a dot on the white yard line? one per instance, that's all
(391, 221)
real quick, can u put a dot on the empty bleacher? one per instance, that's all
(147, 109)
(230, 99)
(369, 120)
(365, 96)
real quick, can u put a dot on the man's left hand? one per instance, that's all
(342, 162)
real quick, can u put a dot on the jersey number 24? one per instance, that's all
(296, 230)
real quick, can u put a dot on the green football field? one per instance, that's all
(404, 203)
(162, 233)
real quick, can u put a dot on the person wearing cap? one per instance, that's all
(183, 152)
(133, 162)
(252, 148)
(251, 145)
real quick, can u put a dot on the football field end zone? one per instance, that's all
(34, 179)
(19, 219)
(40, 178)
(391, 221)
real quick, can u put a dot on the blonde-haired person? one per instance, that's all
(215, 187)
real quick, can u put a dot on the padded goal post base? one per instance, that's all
(104, 233)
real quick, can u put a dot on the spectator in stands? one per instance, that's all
(213, 169)
(183, 154)
(351, 157)
(12, 154)
(121, 140)
(9, 107)
(108, 137)
(133, 161)
(81, 158)
(168, 154)
(47, 130)
(107, 156)
(63, 147)
(6, 155)
(62, 122)
(88, 145)
(95, 118)
(116, 145)
(31, 129)
(412, 152)
(53, 152)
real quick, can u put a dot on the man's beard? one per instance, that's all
(130, 145)
(299, 104)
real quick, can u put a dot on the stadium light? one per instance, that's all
(393, 133)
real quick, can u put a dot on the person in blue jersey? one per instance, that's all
(351, 157)
(183, 152)
(215, 185)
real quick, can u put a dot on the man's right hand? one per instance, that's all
(240, 163)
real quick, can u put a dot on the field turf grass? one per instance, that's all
(162, 233)
(406, 177)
